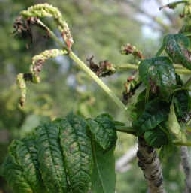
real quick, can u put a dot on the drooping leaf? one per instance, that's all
(158, 74)
(156, 137)
(76, 148)
(103, 177)
(60, 156)
(155, 112)
(13, 173)
(104, 131)
(26, 155)
(50, 158)
(176, 46)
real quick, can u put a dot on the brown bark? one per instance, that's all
(149, 162)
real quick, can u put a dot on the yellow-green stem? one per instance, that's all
(84, 67)
(53, 36)
(178, 68)
(183, 71)
(126, 66)
(182, 143)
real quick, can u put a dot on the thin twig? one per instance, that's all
(84, 67)
(106, 89)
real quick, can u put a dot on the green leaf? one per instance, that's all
(181, 100)
(158, 74)
(138, 108)
(58, 157)
(103, 177)
(176, 46)
(155, 112)
(76, 148)
(167, 151)
(26, 153)
(14, 176)
(174, 126)
(18, 176)
(182, 103)
(104, 131)
(50, 158)
(156, 137)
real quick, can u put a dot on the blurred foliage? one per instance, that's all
(99, 28)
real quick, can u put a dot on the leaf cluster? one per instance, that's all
(165, 102)
(65, 155)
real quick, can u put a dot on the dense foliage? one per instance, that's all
(65, 155)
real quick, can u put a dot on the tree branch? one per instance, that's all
(149, 162)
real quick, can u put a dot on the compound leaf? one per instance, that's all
(60, 156)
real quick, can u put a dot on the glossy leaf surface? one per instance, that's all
(159, 75)
(155, 112)
(156, 137)
(177, 47)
